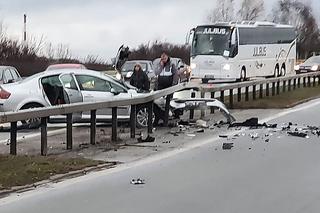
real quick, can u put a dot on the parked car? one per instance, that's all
(66, 66)
(312, 64)
(9, 75)
(127, 69)
(184, 70)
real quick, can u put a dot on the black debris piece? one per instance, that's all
(298, 134)
(200, 130)
(185, 123)
(226, 146)
(267, 140)
(166, 142)
(253, 123)
(137, 181)
(148, 139)
(223, 136)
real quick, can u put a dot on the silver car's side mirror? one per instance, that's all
(114, 92)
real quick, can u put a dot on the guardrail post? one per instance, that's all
(254, 92)
(114, 135)
(69, 131)
(166, 110)
(318, 80)
(278, 87)
(191, 116)
(212, 108)
(222, 96)
(247, 94)
(239, 94)
(133, 117)
(203, 111)
(299, 82)
(267, 89)
(93, 124)
(273, 88)
(44, 138)
(309, 81)
(289, 85)
(314, 81)
(13, 138)
(231, 98)
(284, 84)
(294, 84)
(304, 82)
(150, 119)
(261, 91)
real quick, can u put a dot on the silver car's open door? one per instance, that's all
(72, 93)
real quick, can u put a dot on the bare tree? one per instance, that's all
(224, 11)
(300, 15)
(251, 10)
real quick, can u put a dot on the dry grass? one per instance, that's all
(23, 170)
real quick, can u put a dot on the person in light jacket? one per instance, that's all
(167, 72)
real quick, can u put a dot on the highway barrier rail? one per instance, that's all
(259, 88)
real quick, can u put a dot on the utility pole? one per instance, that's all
(25, 28)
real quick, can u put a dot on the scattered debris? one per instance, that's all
(137, 181)
(254, 136)
(298, 134)
(191, 135)
(166, 142)
(253, 123)
(267, 140)
(148, 139)
(202, 123)
(223, 136)
(226, 146)
(200, 131)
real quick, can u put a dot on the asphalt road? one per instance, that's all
(279, 176)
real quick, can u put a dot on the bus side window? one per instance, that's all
(234, 43)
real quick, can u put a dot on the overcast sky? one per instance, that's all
(99, 27)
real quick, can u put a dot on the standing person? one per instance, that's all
(139, 79)
(166, 72)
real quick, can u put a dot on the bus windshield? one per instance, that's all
(210, 40)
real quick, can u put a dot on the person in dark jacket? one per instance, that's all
(166, 72)
(139, 79)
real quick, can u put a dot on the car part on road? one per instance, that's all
(253, 123)
(298, 134)
(137, 181)
(227, 146)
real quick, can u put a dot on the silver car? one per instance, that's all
(312, 64)
(57, 87)
(9, 74)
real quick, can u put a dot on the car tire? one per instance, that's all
(33, 123)
(142, 117)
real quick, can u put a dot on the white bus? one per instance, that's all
(237, 51)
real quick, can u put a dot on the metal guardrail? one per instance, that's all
(289, 82)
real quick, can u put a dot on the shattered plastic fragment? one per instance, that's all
(298, 134)
(226, 146)
(137, 181)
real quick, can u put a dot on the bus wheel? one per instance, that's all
(276, 72)
(283, 70)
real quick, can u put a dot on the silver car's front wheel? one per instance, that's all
(142, 117)
(32, 123)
